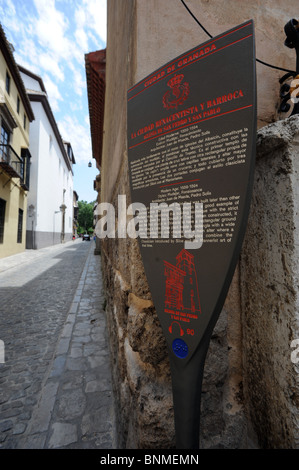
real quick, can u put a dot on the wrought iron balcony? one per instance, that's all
(15, 166)
(10, 161)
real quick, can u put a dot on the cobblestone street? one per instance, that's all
(55, 382)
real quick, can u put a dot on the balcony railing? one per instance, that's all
(10, 161)
(15, 166)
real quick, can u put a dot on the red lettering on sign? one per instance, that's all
(197, 55)
(223, 99)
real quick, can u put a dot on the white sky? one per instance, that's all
(50, 38)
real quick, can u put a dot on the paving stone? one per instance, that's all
(74, 307)
(98, 386)
(96, 361)
(71, 382)
(70, 404)
(56, 382)
(67, 330)
(19, 428)
(63, 345)
(6, 426)
(77, 364)
(62, 435)
(76, 352)
(58, 365)
(96, 422)
(42, 414)
(81, 340)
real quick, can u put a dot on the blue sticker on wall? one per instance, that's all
(180, 348)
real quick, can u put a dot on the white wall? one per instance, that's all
(49, 178)
(53, 178)
(31, 83)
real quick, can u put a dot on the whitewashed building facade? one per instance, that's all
(50, 198)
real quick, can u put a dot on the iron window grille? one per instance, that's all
(20, 226)
(2, 218)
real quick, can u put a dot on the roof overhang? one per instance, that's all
(95, 65)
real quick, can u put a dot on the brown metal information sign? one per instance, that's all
(191, 148)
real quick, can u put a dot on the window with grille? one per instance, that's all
(20, 226)
(2, 218)
(4, 141)
(7, 83)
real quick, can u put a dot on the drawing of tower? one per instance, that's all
(181, 291)
(174, 286)
(185, 262)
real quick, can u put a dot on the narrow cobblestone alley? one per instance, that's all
(55, 382)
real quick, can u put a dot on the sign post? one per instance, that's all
(191, 151)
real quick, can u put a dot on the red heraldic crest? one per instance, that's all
(177, 94)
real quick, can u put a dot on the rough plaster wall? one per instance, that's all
(120, 70)
(165, 29)
(269, 273)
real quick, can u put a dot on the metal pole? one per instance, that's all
(186, 388)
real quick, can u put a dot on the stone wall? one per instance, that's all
(269, 280)
(142, 35)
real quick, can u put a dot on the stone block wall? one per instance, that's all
(269, 288)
